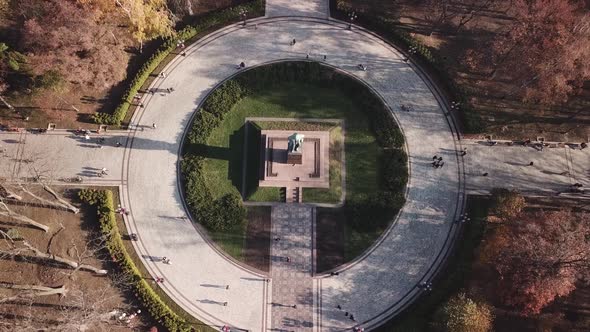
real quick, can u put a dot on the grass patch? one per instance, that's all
(453, 276)
(293, 100)
(231, 241)
(334, 193)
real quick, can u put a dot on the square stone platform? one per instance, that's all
(313, 172)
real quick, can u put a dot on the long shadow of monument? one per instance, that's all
(235, 157)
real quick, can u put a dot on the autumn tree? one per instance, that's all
(539, 256)
(544, 48)
(462, 314)
(67, 42)
(149, 19)
(506, 203)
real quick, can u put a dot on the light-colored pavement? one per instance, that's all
(380, 283)
(306, 8)
(63, 155)
(554, 170)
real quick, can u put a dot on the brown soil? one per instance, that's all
(497, 100)
(257, 247)
(87, 293)
(329, 239)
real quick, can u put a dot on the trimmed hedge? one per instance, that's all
(103, 201)
(366, 213)
(220, 18)
(390, 30)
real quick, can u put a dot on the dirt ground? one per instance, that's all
(257, 246)
(329, 239)
(497, 100)
(88, 295)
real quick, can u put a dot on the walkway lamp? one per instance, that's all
(352, 16)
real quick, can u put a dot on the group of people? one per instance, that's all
(437, 162)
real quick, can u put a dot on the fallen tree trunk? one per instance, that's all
(8, 213)
(5, 193)
(70, 263)
(32, 291)
(61, 202)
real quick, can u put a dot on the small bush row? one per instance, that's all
(389, 29)
(103, 201)
(191, 31)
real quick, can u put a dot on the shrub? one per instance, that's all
(103, 201)
(221, 100)
(506, 203)
(462, 314)
(203, 125)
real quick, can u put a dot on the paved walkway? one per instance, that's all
(554, 170)
(291, 270)
(306, 8)
(379, 284)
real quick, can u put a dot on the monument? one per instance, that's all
(295, 149)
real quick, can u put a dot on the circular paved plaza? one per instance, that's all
(373, 287)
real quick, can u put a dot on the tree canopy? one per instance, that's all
(539, 256)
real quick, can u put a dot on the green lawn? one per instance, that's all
(294, 100)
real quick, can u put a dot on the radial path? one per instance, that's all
(291, 271)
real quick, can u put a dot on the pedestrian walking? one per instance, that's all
(103, 171)
(154, 125)
(168, 90)
(346, 314)
(293, 42)
(277, 239)
(183, 54)
(227, 287)
(225, 304)
(141, 105)
(441, 164)
(435, 157)
(339, 307)
(242, 64)
(294, 306)
(307, 56)
(162, 75)
(463, 152)
(352, 318)
(485, 174)
(288, 259)
(583, 146)
(325, 57)
(159, 280)
(531, 163)
(439, 159)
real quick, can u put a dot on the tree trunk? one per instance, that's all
(61, 200)
(10, 107)
(61, 203)
(32, 291)
(70, 263)
(5, 193)
(8, 213)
